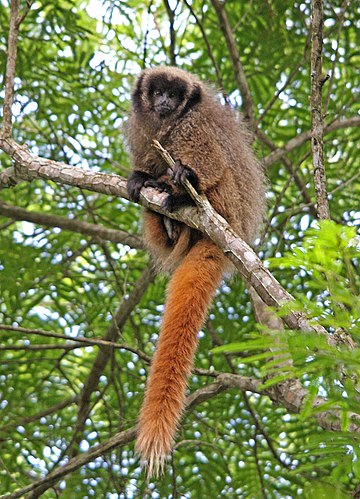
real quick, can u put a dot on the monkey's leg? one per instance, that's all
(161, 233)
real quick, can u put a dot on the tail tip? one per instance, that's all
(153, 457)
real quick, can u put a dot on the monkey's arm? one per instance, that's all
(135, 183)
(177, 198)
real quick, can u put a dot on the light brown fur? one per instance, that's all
(206, 137)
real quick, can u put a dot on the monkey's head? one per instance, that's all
(165, 92)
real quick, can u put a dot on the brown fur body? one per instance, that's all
(207, 139)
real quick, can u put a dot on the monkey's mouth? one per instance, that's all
(163, 110)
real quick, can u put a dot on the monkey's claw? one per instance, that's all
(181, 172)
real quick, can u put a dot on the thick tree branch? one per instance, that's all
(317, 121)
(29, 167)
(243, 257)
(206, 221)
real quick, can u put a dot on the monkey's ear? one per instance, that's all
(136, 96)
(195, 96)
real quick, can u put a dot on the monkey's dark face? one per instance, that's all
(166, 96)
(165, 102)
(165, 93)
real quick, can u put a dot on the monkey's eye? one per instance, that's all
(157, 93)
(171, 95)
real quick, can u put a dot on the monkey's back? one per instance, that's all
(214, 139)
(248, 196)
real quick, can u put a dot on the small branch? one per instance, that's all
(47, 412)
(78, 339)
(10, 69)
(317, 122)
(299, 140)
(187, 185)
(289, 79)
(241, 81)
(208, 46)
(25, 13)
(171, 16)
(291, 395)
(71, 224)
(40, 347)
(340, 25)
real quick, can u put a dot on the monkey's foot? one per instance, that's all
(158, 185)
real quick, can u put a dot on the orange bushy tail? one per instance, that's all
(190, 292)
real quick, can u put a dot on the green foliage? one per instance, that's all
(75, 68)
(327, 263)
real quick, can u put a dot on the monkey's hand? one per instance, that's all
(135, 183)
(181, 172)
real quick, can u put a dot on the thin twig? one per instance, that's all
(289, 79)
(241, 80)
(208, 47)
(340, 25)
(10, 69)
(79, 339)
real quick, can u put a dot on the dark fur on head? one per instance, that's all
(163, 79)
